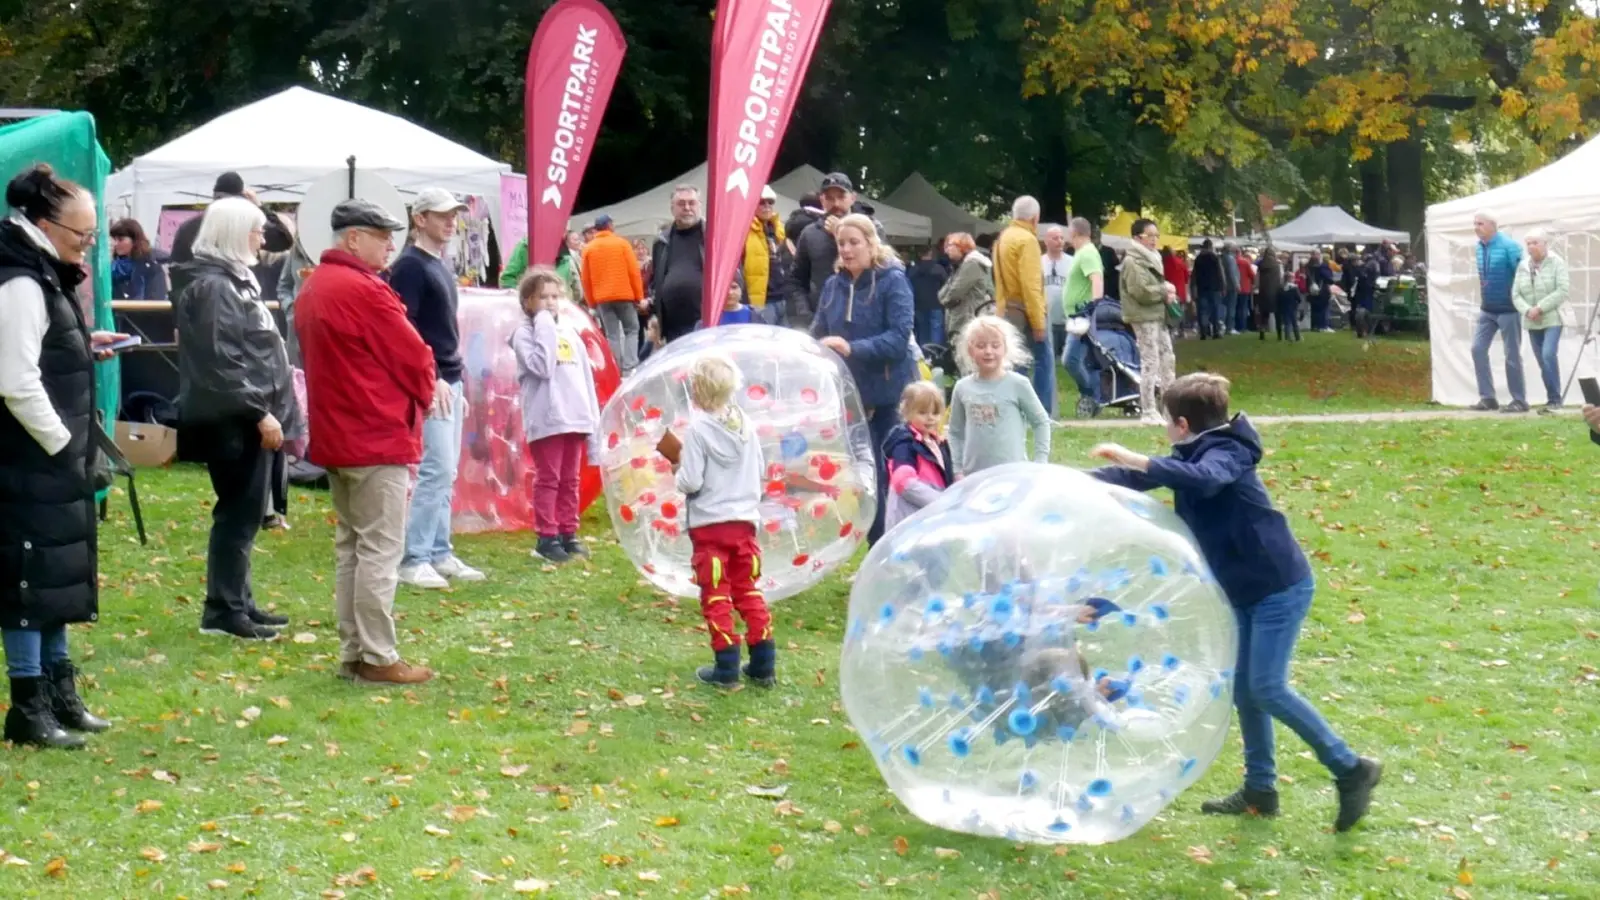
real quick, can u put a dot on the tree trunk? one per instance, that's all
(1374, 192)
(1053, 179)
(1341, 187)
(1407, 202)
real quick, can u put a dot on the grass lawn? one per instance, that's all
(1324, 373)
(565, 747)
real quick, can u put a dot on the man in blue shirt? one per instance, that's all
(1498, 257)
(427, 286)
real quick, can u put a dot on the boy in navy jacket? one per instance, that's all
(1254, 556)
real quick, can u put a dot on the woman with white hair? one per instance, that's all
(1538, 291)
(236, 401)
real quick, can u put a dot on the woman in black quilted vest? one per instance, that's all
(48, 567)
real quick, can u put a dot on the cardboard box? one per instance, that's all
(146, 445)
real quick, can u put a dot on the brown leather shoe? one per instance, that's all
(397, 672)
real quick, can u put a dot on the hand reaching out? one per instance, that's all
(1118, 455)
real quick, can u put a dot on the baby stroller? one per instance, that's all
(1113, 358)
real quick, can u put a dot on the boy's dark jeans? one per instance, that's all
(1288, 318)
(1261, 693)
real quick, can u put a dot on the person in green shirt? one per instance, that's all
(1086, 283)
(566, 265)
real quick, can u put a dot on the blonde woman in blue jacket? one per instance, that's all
(1538, 292)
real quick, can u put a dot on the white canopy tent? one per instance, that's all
(1332, 225)
(644, 215)
(1563, 198)
(899, 225)
(918, 195)
(281, 144)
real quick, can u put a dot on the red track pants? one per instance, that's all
(727, 562)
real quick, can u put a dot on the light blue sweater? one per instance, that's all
(988, 420)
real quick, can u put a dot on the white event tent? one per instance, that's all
(1564, 199)
(1332, 225)
(282, 143)
(919, 195)
(644, 215)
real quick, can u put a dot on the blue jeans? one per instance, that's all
(1044, 376)
(880, 421)
(1319, 312)
(772, 313)
(930, 326)
(1261, 693)
(1546, 345)
(428, 520)
(1076, 362)
(29, 651)
(1209, 310)
(1241, 312)
(1509, 325)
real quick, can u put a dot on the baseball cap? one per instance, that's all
(836, 180)
(436, 200)
(229, 184)
(767, 193)
(602, 223)
(364, 214)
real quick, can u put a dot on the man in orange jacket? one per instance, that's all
(613, 286)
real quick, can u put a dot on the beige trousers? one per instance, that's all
(368, 543)
(1157, 364)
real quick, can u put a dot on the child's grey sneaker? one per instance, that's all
(573, 546)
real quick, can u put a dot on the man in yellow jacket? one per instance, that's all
(763, 260)
(1019, 293)
(614, 288)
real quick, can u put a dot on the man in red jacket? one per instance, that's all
(369, 382)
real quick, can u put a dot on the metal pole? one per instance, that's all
(351, 163)
(1588, 338)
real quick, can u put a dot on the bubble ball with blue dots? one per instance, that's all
(1040, 657)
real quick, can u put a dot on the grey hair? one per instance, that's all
(1487, 215)
(1056, 229)
(225, 230)
(1026, 209)
(1080, 227)
(685, 189)
(1018, 355)
(1541, 235)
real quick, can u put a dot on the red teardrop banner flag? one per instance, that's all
(572, 65)
(759, 53)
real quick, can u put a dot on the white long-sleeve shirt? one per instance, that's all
(23, 323)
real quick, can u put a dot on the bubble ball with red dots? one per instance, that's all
(819, 493)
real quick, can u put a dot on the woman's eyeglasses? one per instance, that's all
(84, 237)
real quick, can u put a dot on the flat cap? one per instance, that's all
(364, 214)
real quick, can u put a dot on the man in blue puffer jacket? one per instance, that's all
(1498, 257)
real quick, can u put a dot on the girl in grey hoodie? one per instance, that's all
(560, 411)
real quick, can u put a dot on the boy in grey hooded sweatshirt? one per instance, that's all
(719, 471)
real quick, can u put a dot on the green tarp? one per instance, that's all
(67, 142)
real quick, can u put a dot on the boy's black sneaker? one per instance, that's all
(763, 667)
(1243, 802)
(237, 625)
(1514, 407)
(1485, 405)
(1355, 793)
(574, 547)
(549, 549)
(270, 620)
(725, 673)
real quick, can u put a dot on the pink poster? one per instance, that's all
(167, 227)
(513, 223)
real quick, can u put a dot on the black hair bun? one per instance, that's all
(38, 193)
